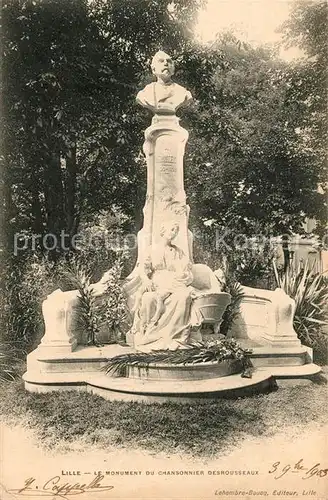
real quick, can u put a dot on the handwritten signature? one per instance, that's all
(54, 487)
(299, 467)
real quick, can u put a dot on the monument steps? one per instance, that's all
(93, 358)
(269, 356)
(127, 389)
(81, 370)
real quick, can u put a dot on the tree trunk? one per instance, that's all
(35, 189)
(70, 192)
(7, 211)
(54, 198)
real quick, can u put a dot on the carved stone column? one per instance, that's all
(164, 147)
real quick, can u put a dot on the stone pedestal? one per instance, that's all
(266, 318)
(282, 333)
(61, 326)
(61, 337)
(164, 146)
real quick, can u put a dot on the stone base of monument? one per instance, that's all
(49, 370)
(264, 325)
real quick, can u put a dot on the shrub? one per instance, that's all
(77, 276)
(9, 359)
(110, 310)
(232, 311)
(250, 262)
(114, 311)
(310, 292)
(25, 284)
(100, 242)
(253, 266)
(27, 279)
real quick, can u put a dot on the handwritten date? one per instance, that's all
(279, 470)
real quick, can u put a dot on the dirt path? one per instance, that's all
(243, 473)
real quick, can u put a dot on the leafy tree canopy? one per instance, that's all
(248, 166)
(73, 133)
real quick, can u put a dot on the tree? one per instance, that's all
(307, 28)
(47, 66)
(71, 71)
(247, 168)
(73, 133)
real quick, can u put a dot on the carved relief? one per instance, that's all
(165, 194)
(149, 198)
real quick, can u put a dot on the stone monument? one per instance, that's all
(165, 288)
(169, 296)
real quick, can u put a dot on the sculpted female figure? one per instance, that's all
(163, 310)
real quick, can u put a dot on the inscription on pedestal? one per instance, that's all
(166, 166)
(167, 163)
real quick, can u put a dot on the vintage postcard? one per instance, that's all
(164, 269)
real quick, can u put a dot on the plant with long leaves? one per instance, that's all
(94, 311)
(233, 287)
(78, 277)
(114, 311)
(310, 292)
(194, 353)
(8, 361)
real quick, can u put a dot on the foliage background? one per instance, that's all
(71, 138)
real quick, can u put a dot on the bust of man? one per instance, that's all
(163, 96)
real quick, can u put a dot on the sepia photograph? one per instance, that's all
(164, 249)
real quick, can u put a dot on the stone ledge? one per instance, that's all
(92, 378)
(294, 372)
(153, 391)
(274, 351)
(85, 353)
(174, 387)
(80, 370)
(280, 356)
(186, 391)
(93, 358)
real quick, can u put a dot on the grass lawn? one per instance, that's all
(202, 430)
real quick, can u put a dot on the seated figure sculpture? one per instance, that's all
(171, 296)
(164, 95)
(164, 283)
(163, 316)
